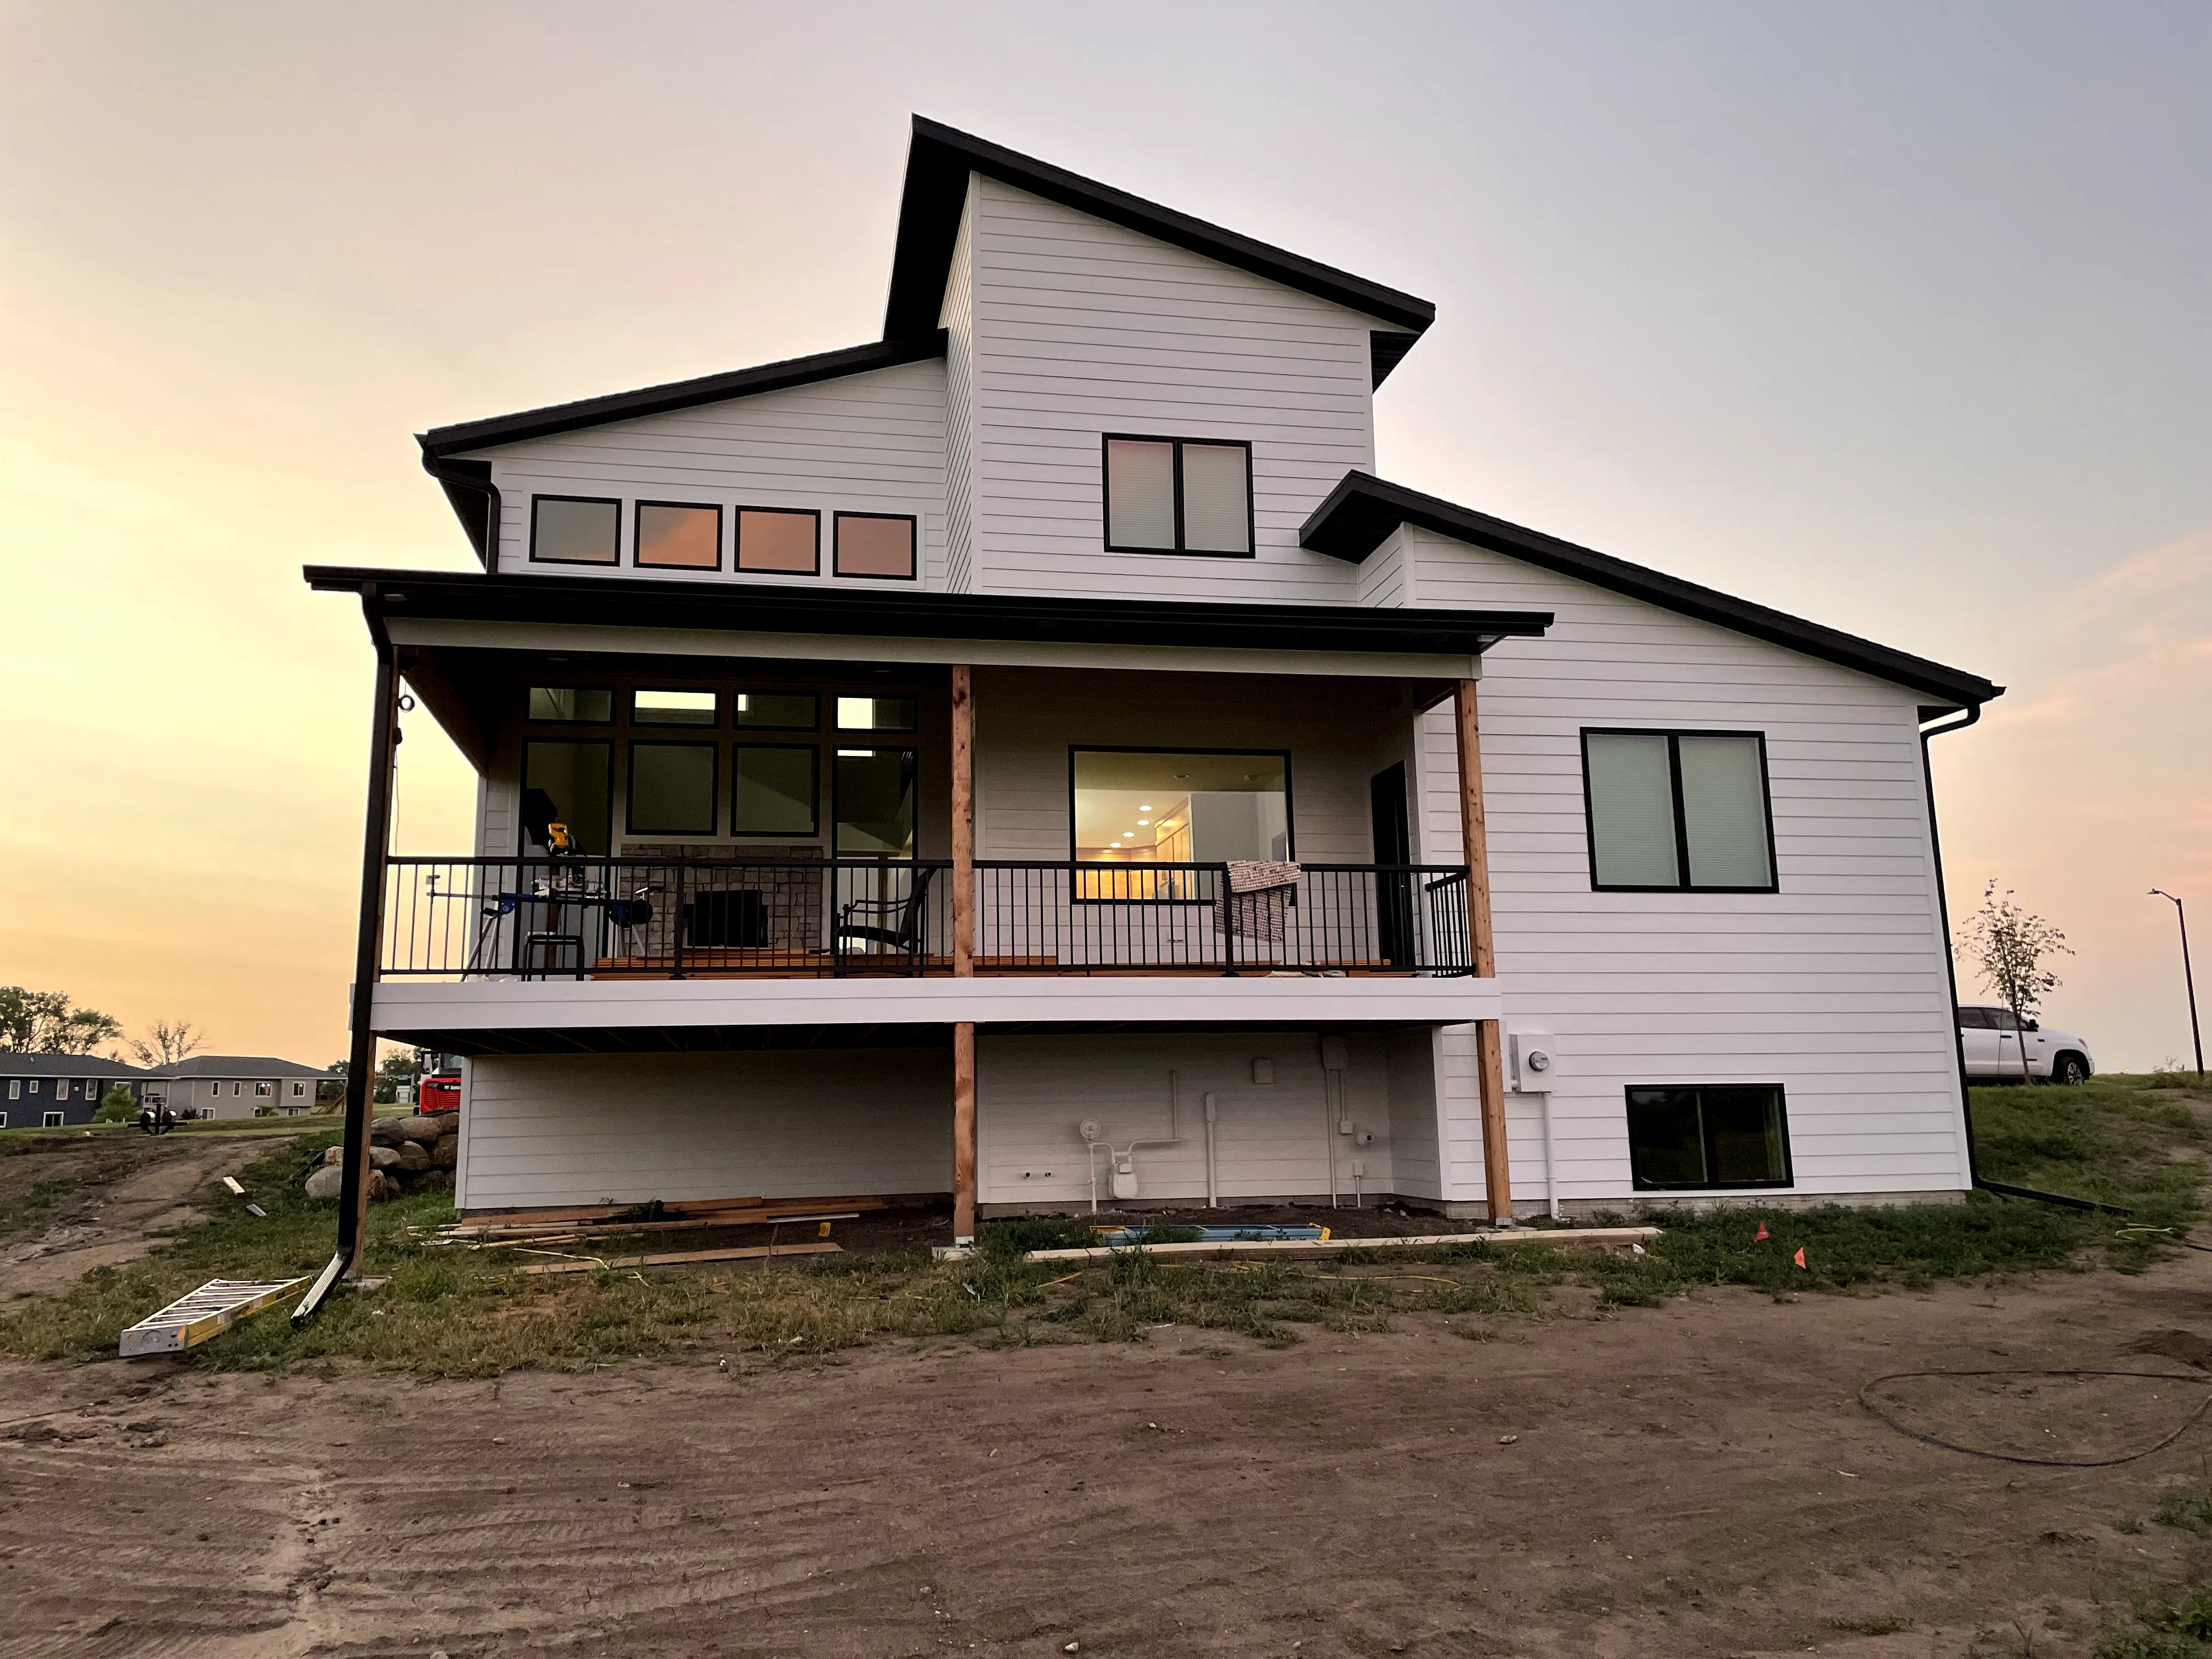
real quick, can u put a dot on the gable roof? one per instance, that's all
(1363, 510)
(17, 1063)
(237, 1065)
(940, 158)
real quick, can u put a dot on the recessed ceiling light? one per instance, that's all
(1144, 820)
(1144, 806)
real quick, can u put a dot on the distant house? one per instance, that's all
(51, 1090)
(236, 1086)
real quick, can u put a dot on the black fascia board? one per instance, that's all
(1363, 510)
(906, 614)
(940, 159)
(887, 353)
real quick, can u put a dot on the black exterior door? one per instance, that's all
(1393, 889)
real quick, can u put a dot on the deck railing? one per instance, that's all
(675, 918)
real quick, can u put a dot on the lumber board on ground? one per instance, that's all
(1298, 1249)
(677, 1209)
(675, 1258)
(567, 1234)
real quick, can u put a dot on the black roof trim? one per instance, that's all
(1362, 511)
(940, 159)
(887, 353)
(1385, 351)
(628, 601)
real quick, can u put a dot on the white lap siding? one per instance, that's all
(1272, 1141)
(1833, 988)
(566, 1129)
(866, 443)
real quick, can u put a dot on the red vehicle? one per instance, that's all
(439, 1087)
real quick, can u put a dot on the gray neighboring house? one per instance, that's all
(236, 1086)
(53, 1091)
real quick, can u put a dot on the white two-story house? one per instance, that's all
(1036, 758)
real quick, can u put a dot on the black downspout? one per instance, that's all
(1951, 975)
(476, 476)
(361, 1063)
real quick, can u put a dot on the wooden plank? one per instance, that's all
(964, 1133)
(558, 1231)
(963, 822)
(1298, 1249)
(674, 1258)
(695, 1211)
(1497, 1170)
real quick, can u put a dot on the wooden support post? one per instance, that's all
(368, 940)
(1497, 1170)
(964, 1133)
(963, 822)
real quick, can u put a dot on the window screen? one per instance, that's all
(1672, 811)
(773, 790)
(1709, 1135)
(581, 704)
(1178, 495)
(671, 789)
(575, 530)
(679, 538)
(875, 544)
(568, 783)
(770, 539)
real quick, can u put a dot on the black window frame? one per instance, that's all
(608, 742)
(615, 501)
(737, 538)
(815, 833)
(742, 726)
(913, 523)
(911, 699)
(1682, 884)
(1106, 440)
(1789, 1180)
(632, 722)
(529, 718)
(837, 803)
(637, 534)
(713, 746)
(1290, 812)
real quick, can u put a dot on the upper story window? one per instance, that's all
(650, 708)
(878, 544)
(1674, 811)
(780, 539)
(672, 535)
(575, 530)
(1178, 495)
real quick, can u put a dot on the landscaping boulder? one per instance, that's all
(387, 1130)
(384, 1157)
(382, 1187)
(424, 1130)
(433, 1181)
(446, 1154)
(326, 1182)
(414, 1156)
(334, 1154)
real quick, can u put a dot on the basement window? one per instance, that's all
(575, 530)
(1673, 811)
(1178, 495)
(1706, 1135)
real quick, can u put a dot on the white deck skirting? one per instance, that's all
(541, 1004)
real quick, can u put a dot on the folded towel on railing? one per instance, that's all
(1257, 904)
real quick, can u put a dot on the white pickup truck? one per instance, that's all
(1993, 1041)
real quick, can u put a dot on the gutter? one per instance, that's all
(471, 477)
(1951, 976)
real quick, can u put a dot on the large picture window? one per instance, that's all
(671, 789)
(570, 784)
(1715, 1134)
(1179, 807)
(1678, 811)
(876, 544)
(1178, 495)
(778, 539)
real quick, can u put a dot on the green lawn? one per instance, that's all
(2130, 1140)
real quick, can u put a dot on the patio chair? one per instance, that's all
(900, 923)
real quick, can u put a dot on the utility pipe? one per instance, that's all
(1212, 1191)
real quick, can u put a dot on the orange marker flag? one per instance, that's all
(1760, 1234)
(1800, 1257)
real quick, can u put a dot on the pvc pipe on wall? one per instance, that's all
(1212, 1191)
(1551, 1175)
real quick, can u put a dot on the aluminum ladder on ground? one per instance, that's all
(192, 1320)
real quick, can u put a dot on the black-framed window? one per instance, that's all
(575, 530)
(880, 546)
(873, 806)
(674, 706)
(570, 784)
(571, 705)
(678, 536)
(873, 714)
(1707, 1135)
(1676, 812)
(777, 711)
(1177, 495)
(782, 540)
(1179, 806)
(776, 789)
(671, 788)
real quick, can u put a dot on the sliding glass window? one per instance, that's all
(1178, 495)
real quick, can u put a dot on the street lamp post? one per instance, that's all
(2188, 978)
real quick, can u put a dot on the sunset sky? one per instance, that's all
(1897, 317)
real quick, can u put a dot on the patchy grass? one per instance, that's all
(468, 1313)
(34, 1208)
(2172, 1624)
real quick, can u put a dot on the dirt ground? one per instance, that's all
(134, 1188)
(1694, 1480)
